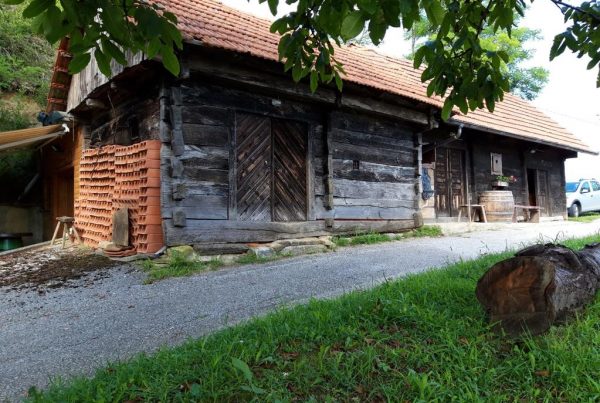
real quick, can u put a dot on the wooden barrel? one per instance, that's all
(499, 205)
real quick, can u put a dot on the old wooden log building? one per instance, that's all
(247, 155)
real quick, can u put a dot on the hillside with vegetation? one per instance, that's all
(25, 69)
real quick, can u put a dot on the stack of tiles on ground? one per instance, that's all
(121, 176)
(93, 209)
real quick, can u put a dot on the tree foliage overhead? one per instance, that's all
(103, 28)
(526, 82)
(459, 65)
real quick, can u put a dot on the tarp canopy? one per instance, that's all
(31, 137)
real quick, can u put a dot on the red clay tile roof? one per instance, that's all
(216, 25)
(61, 79)
(518, 118)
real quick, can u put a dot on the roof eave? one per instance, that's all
(519, 137)
(31, 136)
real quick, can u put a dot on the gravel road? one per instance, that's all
(71, 331)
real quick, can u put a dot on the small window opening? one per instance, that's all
(134, 128)
(496, 163)
(356, 165)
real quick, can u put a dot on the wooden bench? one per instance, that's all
(531, 213)
(474, 207)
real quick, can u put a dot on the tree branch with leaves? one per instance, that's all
(459, 66)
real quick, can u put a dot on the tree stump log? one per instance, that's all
(540, 286)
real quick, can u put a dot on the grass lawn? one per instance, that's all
(586, 217)
(422, 338)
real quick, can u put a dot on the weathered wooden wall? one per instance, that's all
(60, 177)
(516, 159)
(374, 164)
(198, 176)
(130, 122)
(90, 78)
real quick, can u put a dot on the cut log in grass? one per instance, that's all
(541, 286)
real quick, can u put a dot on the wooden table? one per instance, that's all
(475, 207)
(531, 213)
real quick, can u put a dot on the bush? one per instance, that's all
(13, 118)
(25, 58)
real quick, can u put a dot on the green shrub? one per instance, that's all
(26, 59)
(13, 118)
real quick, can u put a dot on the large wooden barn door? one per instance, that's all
(289, 170)
(449, 177)
(271, 169)
(253, 160)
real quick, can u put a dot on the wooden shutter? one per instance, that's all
(253, 159)
(289, 170)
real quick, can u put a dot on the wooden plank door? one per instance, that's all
(449, 181)
(441, 184)
(456, 179)
(289, 170)
(542, 191)
(253, 162)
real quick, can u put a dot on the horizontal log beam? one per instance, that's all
(225, 231)
(284, 85)
(384, 109)
(256, 79)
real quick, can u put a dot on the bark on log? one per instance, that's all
(540, 286)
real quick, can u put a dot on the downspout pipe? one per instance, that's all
(453, 137)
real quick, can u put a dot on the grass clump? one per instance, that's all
(424, 231)
(363, 239)
(176, 265)
(251, 258)
(421, 338)
(375, 238)
(180, 265)
(586, 217)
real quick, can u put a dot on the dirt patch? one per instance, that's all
(51, 267)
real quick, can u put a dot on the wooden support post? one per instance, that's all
(467, 174)
(419, 173)
(310, 174)
(328, 166)
(232, 178)
(177, 143)
(164, 126)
